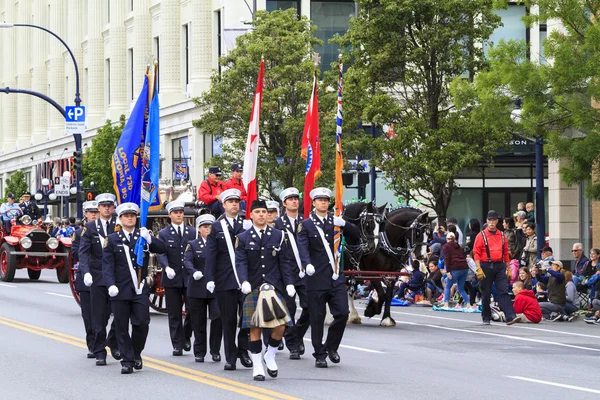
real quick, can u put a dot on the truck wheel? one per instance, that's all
(62, 271)
(34, 275)
(8, 263)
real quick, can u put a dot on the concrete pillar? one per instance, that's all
(201, 47)
(74, 38)
(118, 60)
(196, 151)
(170, 56)
(24, 74)
(95, 111)
(56, 69)
(305, 8)
(9, 110)
(39, 78)
(142, 42)
(563, 213)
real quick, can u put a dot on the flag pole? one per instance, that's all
(339, 166)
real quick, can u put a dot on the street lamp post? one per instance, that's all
(76, 137)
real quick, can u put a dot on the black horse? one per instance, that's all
(386, 242)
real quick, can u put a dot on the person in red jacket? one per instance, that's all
(526, 306)
(235, 182)
(210, 189)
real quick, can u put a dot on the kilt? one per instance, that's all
(250, 306)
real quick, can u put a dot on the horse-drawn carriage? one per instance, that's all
(157, 220)
(29, 246)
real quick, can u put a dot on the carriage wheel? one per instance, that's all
(72, 272)
(158, 301)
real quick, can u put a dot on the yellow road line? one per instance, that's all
(173, 369)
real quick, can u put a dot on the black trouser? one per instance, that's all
(100, 305)
(294, 334)
(137, 311)
(7, 226)
(495, 273)
(86, 314)
(230, 304)
(198, 313)
(180, 334)
(337, 298)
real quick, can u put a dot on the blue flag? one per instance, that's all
(127, 158)
(150, 171)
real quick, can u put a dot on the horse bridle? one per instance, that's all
(410, 237)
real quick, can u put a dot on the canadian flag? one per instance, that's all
(251, 155)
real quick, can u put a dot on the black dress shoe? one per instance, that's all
(321, 363)
(229, 367)
(100, 361)
(91, 355)
(216, 357)
(334, 356)
(245, 358)
(187, 346)
(177, 352)
(116, 354)
(199, 358)
(301, 349)
(259, 378)
(137, 362)
(127, 370)
(294, 355)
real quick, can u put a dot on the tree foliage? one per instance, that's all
(98, 158)
(286, 43)
(405, 54)
(558, 97)
(15, 184)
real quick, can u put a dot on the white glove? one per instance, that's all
(246, 288)
(310, 270)
(144, 233)
(291, 290)
(113, 291)
(170, 272)
(335, 277)
(198, 275)
(87, 279)
(247, 224)
(339, 221)
(210, 286)
(301, 274)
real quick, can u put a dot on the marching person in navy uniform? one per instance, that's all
(324, 282)
(272, 212)
(199, 298)
(263, 266)
(90, 211)
(221, 277)
(90, 264)
(127, 284)
(288, 223)
(29, 207)
(175, 277)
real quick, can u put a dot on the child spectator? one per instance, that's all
(434, 281)
(512, 272)
(525, 305)
(530, 208)
(540, 292)
(414, 283)
(525, 277)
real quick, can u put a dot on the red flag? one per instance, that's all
(311, 147)
(251, 155)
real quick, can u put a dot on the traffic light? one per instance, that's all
(90, 194)
(78, 159)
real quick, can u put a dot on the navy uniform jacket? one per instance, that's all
(115, 267)
(283, 224)
(174, 256)
(218, 264)
(267, 259)
(312, 251)
(90, 250)
(75, 241)
(30, 209)
(194, 258)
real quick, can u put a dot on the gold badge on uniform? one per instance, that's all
(105, 243)
(73, 236)
(299, 227)
(83, 231)
(187, 247)
(237, 241)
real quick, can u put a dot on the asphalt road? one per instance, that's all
(427, 355)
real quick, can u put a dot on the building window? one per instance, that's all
(107, 80)
(512, 28)
(131, 5)
(131, 74)
(186, 53)
(180, 159)
(27, 176)
(157, 53)
(106, 11)
(331, 17)
(273, 5)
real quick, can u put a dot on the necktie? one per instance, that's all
(262, 235)
(179, 231)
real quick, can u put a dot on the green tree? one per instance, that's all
(15, 184)
(405, 54)
(558, 102)
(286, 43)
(97, 160)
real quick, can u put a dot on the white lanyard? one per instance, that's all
(327, 249)
(295, 249)
(230, 249)
(132, 271)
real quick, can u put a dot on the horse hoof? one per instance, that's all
(389, 321)
(355, 320)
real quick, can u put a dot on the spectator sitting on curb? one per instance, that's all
(414, 283)
(540, 292)
(525, 305)
(434, 281)
(525, 277)
(555, 281)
